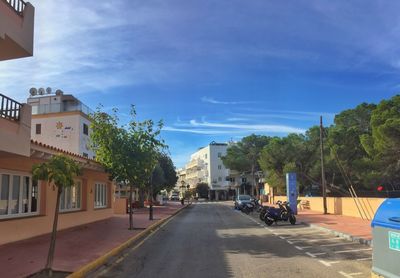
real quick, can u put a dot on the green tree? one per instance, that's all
(129, 153)
(59, 170)
(202, 189)
(244, 155)
(383, 144)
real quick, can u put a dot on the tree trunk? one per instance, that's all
(254, 181)
(50, 256)
(141, 197)
(130, 206)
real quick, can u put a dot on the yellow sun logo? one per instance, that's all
(59, 125)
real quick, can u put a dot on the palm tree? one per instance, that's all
(60, 171)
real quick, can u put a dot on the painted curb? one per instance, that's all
(81, 272)
(349, 237)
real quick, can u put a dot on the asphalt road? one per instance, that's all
(213, 240)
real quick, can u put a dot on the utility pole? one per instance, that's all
(321, 136)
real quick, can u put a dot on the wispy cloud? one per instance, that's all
(214, 101)
(213, 128)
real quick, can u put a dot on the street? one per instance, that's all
(214, 240)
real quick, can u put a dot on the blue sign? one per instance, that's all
(291, 190)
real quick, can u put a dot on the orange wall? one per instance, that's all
(120, 205)
(22, 228)
(343, 205)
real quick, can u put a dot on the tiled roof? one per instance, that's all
(60, 150)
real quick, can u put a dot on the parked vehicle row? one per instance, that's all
(268, 214)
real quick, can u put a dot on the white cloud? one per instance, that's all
(213, 101)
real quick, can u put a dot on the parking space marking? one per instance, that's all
(350, 275)
(302, 247)
(352, 250)
(328, 264)
(365, 259)
(337, 244)
(314, 255)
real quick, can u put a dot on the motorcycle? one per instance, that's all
(282, 213)
(252, 206)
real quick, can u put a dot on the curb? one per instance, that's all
(81, 272)
(349, 237)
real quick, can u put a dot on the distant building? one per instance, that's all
(205, 166)
(61, 121)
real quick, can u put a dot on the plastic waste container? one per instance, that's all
(386, 239)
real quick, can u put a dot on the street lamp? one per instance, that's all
(182, 192)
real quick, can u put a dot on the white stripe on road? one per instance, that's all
(328, 264)
(364, 259)
(337, 244)
(350, 275)
(352, 250)
(303, 247)
(314, 255)
(313, 240)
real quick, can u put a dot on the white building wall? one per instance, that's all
(218, 172)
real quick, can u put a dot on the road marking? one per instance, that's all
(314, 255)
(328, 264)
(303, 247)
(350, 275)
(281, 237)
(337, 244)
(364, 259)
(352, 250)
(313, 240)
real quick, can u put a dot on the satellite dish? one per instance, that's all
(41, 91)
(59, 92)
(48, 90)
(33, 91)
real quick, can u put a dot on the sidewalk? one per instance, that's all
(77, 246)
(353, 228)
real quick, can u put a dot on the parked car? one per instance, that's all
(174, 197)
(241, 200)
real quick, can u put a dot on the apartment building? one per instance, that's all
(206, 166)
(60, 120)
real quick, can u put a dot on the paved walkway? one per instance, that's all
(352, 226)
(77, 246)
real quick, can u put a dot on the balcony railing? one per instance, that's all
(17, 5)
(9, 108)
(60, 107)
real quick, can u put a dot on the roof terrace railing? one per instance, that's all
(17, 5)
(9, 108)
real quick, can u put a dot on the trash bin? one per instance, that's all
(386, 239)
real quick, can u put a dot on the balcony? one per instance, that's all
(15, 126)
(16, 29)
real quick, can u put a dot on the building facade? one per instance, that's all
(60, 120)
(205, 166)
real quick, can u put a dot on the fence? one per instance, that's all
(9, 108)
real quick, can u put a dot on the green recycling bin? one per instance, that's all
(386, 239)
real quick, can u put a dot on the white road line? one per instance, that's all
(302, 247)
(281, 237)
(328, 264)
(314, 255)
(313, 240)
(337, 244)
(350, 275)
(352, 250)
(364, 259)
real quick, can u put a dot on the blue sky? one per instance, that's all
(214, 70)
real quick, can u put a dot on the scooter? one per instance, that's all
(283, 213)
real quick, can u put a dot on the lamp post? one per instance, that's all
(182, 191)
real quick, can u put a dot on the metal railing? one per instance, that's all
(9, 108)
(17, 5)
(60, 107)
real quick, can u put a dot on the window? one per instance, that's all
(85, 129)
(219, 178)
(100, 195)
(18, 195)
(70, 198)
(219, 167)
(38, 128)
(85, 155)
(219, 154)
(205, 156)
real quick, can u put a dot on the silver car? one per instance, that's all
(241, 200)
